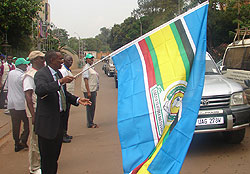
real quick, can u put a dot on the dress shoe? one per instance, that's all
(68, 136)
(24, 145)
(18, 147)
(66, 140)
(36, 172)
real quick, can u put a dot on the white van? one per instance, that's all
(223, 105)
(236, 60)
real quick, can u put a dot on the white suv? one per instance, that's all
(223, 106)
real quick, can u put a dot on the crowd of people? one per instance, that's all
(40, 94)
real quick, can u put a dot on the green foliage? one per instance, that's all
(73, 43)
(16, 21)
(62, 35)
(223, 19)
(91, 44)
(149, 15)
(129, 30)
(103, 38)
(99, 43)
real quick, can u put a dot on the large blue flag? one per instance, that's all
(160, 82)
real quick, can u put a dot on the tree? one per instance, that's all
(103, 38)
(124, 33)
(73, 43)
(92, 44)
(16, 22)
(223, 19)
(62, 35)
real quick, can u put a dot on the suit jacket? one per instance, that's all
(47, 120)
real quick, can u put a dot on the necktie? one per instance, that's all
(63, 97)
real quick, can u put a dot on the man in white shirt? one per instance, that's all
(16, 104)
(65, 70)
(37, 62)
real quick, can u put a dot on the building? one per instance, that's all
(44, 14)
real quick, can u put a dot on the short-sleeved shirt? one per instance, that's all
(16, 98)
(86, 73)
(29, 84)
(65, 71)
(93, 79)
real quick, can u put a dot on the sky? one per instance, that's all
(84, 18)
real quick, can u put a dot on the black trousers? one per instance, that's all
(50, 150)
(66, 118)
(18, 116)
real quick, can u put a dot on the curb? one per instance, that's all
(5, 127)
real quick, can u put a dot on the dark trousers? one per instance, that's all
(66, 119)
(16, 117)
(50, 151)
(90, 109)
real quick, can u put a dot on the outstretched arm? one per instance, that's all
(84, 101)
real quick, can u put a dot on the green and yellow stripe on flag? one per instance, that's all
(161, 78)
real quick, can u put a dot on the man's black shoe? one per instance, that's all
(24, 145)
(66, 140)
(18, 147)
(68, 136)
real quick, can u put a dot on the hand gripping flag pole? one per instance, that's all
(94, 64)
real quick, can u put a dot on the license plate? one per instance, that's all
(210, 112)
(209, 121)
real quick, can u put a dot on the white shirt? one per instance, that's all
(29, 84)
(16, 98)
(93, 79)
(86, 73)
(53, 72)
(65, 72)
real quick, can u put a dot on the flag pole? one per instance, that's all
(94, 64)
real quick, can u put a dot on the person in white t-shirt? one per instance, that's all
(37, 62)
(90, 86)
(16, 104)
(65, 70)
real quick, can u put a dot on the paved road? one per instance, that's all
(97, 151)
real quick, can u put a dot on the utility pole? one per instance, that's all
(137, 16)
(79, 52)
(179, 7)
(238, 25)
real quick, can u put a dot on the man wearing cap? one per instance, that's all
(90, 86)
(16, 104)
(37, 61)
(14, 59)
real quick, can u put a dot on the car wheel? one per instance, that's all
(234, 137)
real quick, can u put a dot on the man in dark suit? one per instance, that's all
(52, 100)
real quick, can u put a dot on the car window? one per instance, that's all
(111, 62)
(234, 58)
(246, 60)
(211, 67)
